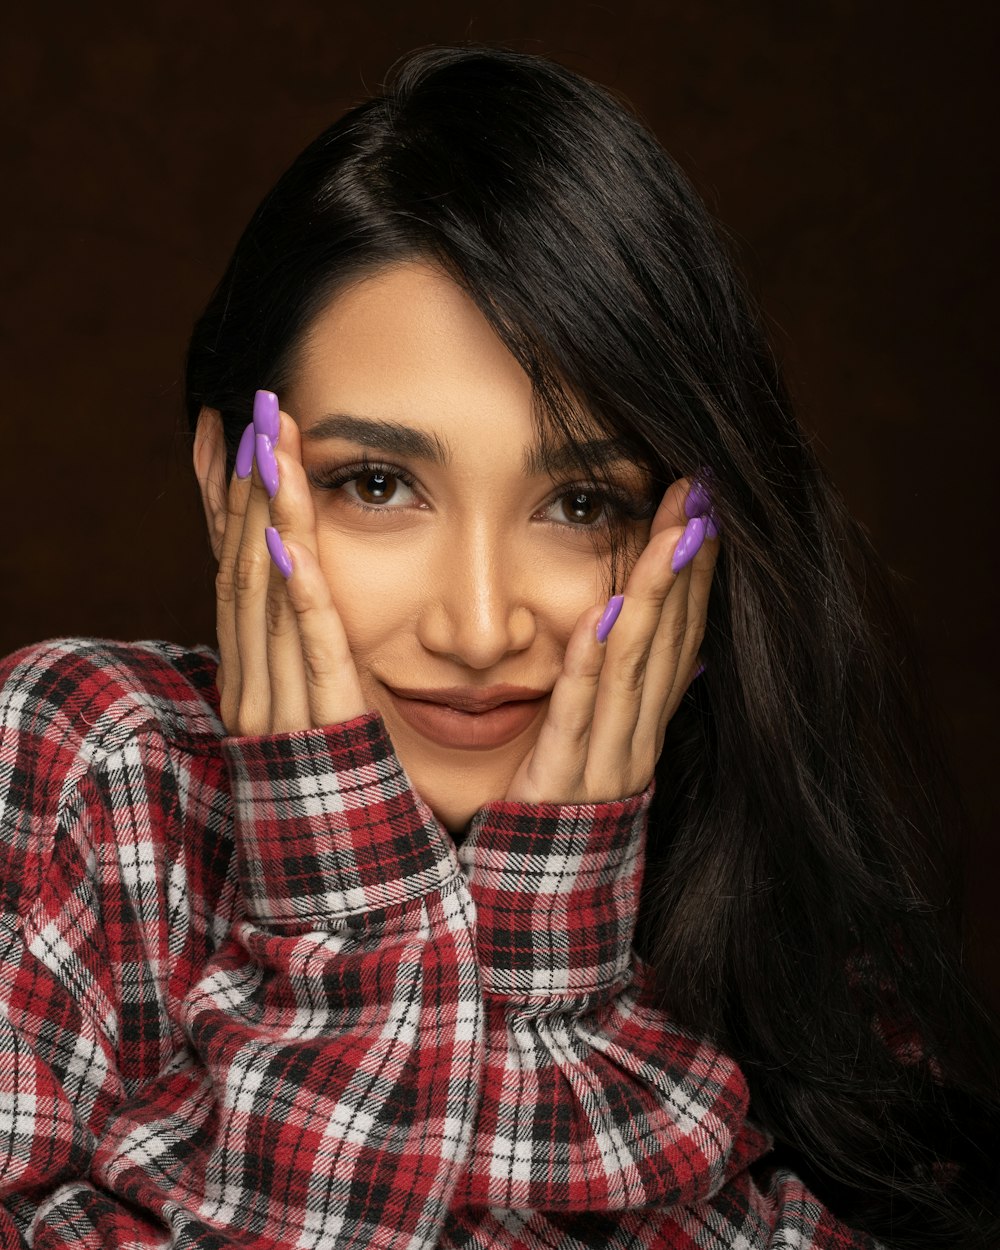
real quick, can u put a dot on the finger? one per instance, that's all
(699, 593)
(229, 677)
(673, 657)
(292, 510)
(251, 578)
(664, 691)
(333, 687)
(325, 679)
(555, 771)
(289, 696)
(620, 694)
(657, 647)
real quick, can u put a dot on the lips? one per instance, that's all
(469, 719)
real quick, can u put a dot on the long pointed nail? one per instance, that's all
(697, 502)
(267, 466)
(690, 543)
(609, 616)
(265, 415)
(244, 453)
(278, 552)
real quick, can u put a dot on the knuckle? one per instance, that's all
(670, 638)
(632, 669)
(665, 650)
(225, 584)
(278, 621)
(236, 498)
(319, 667)
(247, 570)
(250, 718)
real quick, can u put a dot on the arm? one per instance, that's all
(315, 1082)
(598, 1110)
(334, 1038)
(593, 1100)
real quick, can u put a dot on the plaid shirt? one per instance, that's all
(252, 994)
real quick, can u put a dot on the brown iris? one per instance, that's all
(376, 487)
(582, 508)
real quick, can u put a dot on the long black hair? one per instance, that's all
(797, 905)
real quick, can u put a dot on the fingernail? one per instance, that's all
(697, 502)
(711, 526)
(690, 543)
(267, 466)
(265, 415)
(699, 670)
(278, 552)
(609, 616)
(244, 453)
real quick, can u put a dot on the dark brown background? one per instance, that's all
(846, 145)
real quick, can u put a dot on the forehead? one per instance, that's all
(409, 341)
(404, 359)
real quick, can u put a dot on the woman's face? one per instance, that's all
(458, 556)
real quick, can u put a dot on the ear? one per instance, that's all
(210, 469)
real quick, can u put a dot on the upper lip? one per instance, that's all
(471, 699)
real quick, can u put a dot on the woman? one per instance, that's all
(328, 940)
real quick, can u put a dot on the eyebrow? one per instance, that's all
(551, 460)
(390, 436)
(404, 440)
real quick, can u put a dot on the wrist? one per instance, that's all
(328, 826)
(556, 888)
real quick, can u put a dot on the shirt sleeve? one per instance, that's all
(326, 1065)
(582, 1108)
(599, 1114)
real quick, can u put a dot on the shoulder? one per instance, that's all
(92, 692)
(88, 724)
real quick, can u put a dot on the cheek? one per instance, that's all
(562, 587)
(373, 588)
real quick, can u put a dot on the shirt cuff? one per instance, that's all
(556, 888)
(328, 826)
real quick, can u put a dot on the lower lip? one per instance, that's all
(470, 731)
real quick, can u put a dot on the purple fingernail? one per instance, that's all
(267, 466)
(690, 543)
(699, 670)
(697, 502)
(244, 453)
(711, 526)
(609, 616)
(278, 552)
(265, 415)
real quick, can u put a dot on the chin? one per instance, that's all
(455, 793)
(456, 810)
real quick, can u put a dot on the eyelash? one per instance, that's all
(334, 479)
(624, 506)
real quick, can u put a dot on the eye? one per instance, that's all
(371, 487)
(578, 507)
(377, 487)
(581, 506)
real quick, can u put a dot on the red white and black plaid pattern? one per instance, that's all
(250, 995)
(557, 888)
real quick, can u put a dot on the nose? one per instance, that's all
(476, 610)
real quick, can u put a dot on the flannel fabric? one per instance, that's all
(251, 994)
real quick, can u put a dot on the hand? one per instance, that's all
(285, 663)
(609, 709)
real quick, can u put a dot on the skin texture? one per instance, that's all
(475, 575)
